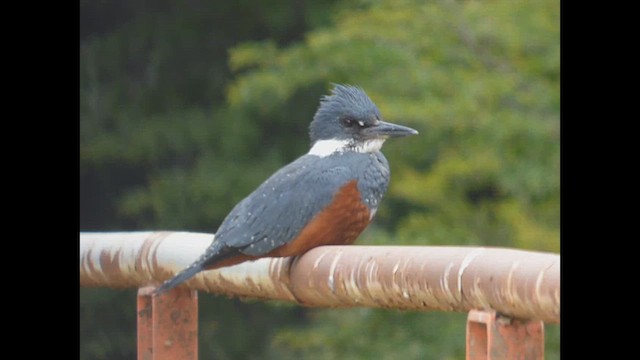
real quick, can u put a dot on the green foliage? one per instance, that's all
(101, 327)
(374, 334)
(154, 126)
(481, 82)
(184, 111)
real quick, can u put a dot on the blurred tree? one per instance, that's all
(152, 80)
(481, 82)
(174, 132)
(160, 150)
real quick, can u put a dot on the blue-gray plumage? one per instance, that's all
(298, 192)
(326, 197)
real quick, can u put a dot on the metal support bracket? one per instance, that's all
(168, 324)
(493, 337)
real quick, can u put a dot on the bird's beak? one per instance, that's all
(385, 129)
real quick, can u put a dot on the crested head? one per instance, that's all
(347, 105)
(348, 120)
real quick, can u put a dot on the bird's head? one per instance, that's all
(348, 120)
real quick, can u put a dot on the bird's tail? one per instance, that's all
(181, 277)
(215, 252)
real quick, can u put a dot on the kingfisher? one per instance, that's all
(325, 197)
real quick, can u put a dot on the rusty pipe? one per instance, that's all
(522, 284)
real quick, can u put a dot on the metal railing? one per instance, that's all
(522, 286)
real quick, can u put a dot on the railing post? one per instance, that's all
(145, 323)
(493, 337)
(167, 324)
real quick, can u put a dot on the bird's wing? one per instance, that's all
(278, 210)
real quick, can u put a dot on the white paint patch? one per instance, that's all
(332, 271)
(444, 282)
(539, 284)
(317, 262)
(324, 148)
(465, 262)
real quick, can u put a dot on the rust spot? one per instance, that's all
(111, 267)
(88, 264)
(143, 255)
(228, 287)
(146, 259)
(279, 273)
(176, 316)
(237, 259)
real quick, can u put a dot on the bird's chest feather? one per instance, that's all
(339, 223)
(374, 181)
(310, 202)
(350, 210)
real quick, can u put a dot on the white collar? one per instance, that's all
(324, 148)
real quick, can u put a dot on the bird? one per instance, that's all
(327, 196)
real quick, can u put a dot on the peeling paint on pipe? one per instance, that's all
(521, 284)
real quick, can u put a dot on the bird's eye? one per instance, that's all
(351, 122)
(348, 122)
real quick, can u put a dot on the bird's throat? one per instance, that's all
(324, 148)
